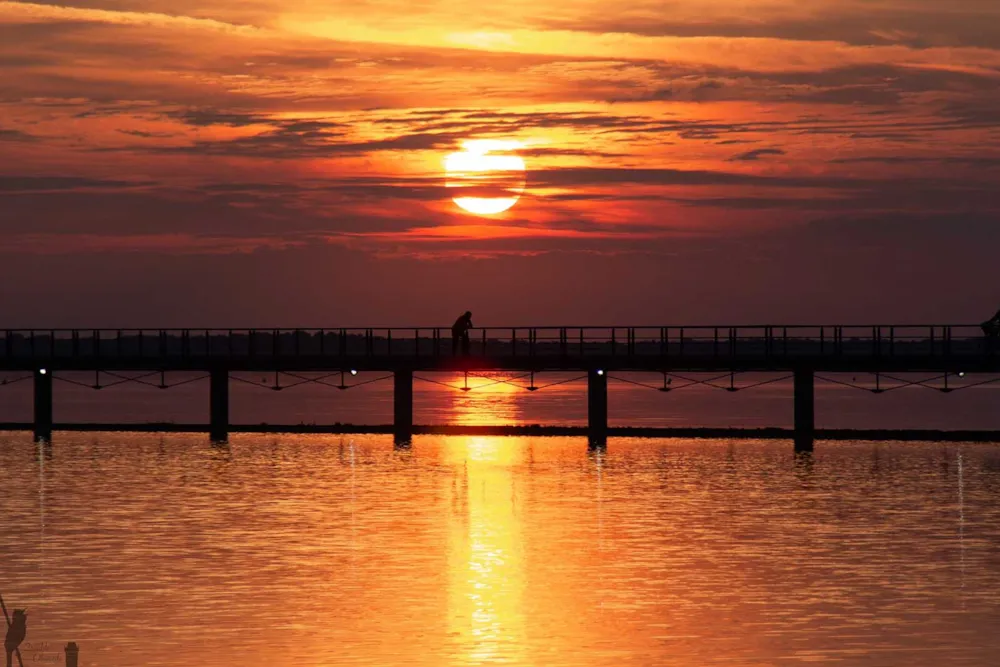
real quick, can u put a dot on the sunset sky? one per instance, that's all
(266, 163)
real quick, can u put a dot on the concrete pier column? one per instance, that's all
(597, 405)
(805, 410)
(402, 401)
(219, 404)
(43, 404)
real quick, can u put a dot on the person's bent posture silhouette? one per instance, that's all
(991, 327)
(460, 333)
(15, 633)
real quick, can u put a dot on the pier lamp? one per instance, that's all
(353, 372)
(600, 371)
(961, 375)
(43, 371)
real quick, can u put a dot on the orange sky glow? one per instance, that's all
(817, 140)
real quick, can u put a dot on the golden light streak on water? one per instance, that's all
(490, 399)
(485, 557)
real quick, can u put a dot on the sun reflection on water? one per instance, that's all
(486, 580)
(488, 400)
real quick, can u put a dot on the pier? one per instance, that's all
(802, 351)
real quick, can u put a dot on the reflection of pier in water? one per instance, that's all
(801, 352)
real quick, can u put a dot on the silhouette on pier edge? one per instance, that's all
(460, 333)
(991, 327)
(16, 632)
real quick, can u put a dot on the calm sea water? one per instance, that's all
(319, 550)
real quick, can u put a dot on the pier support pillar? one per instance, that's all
(219, 405)
(43, 404)
(805, 411)
(402, 401)
(597, 407)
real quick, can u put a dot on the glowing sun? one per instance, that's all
(488, 176)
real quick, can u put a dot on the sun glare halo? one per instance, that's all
(492, 170)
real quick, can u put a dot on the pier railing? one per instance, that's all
(46, 355)
(768, 342)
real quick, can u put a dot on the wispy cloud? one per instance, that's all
(41, 12)
(62, 183)
(187, 244)
(756, 154)
(15, 135)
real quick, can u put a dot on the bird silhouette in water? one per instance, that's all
(15, 634)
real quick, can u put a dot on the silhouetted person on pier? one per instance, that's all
(460, 333)
(15, 634)
(991, 327)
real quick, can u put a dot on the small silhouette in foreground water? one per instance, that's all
(15, 634)
(460, 333)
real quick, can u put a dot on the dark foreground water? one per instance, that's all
(303, 551)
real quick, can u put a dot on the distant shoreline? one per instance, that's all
(532, 429)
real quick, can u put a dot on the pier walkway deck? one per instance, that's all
(801, 350)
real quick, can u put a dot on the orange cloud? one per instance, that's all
(484, 232)
(37, 12)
